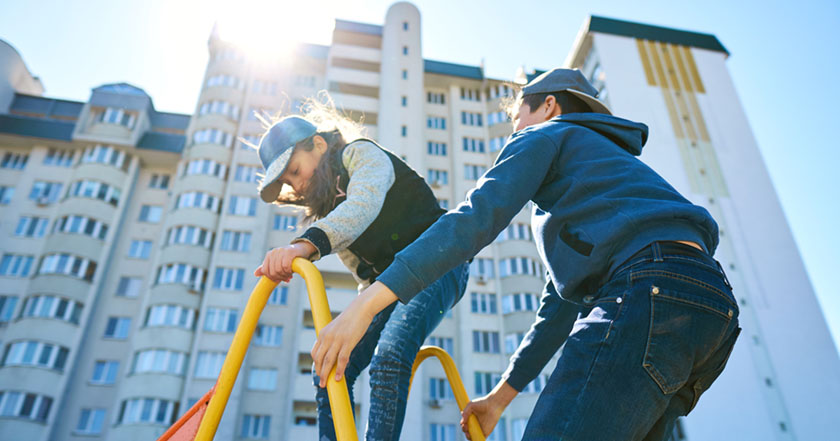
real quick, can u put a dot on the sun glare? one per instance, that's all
(264, 29)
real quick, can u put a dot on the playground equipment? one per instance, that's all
(200, 422)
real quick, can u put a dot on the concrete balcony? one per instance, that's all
(306, 340)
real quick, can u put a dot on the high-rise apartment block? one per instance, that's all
(128, 238)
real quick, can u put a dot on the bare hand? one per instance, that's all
(337, 340)
(277, 264)
(486, 410)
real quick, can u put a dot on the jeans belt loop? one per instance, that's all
(657, 252)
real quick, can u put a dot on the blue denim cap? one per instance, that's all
(275, 150)
(567, 80)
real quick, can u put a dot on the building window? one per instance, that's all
(497, 117)
(473, 172)
(305, 80)
(6, 194)
(15, 265)
(197, 199)
(95, 190)
(225, 81)
(284, 222)
(25, 405)
(209, 364)
(182, 273)
(279, 296)
(7, 307)
(436, 148)
(223, 108)
(485, 382)
(117, 328)
(515, 231)
(264, 87)
(249, 142)
(482, 268)
(441, 432)
(473, 145)
(404, 131)
(471, 119)
(140, 249)
(90, 421)
(170, 315)
(266, 335)
(160, 361)
(262, 379)
(159, 181)
(14, 161)
(435, 98)
(59, 158)
(148, 410)
(220, 320)
(189, 235)
(205, 167)
(255, 426)
(236, 241)
(519, 266)
(129, 286)
(483, 303)
(68, 265)
(444, 203)
(81, 225)
(437, 177)
(486, 342)
(212, 136)
(439, 389)
(47, 306)
(497, 143)
(470, 94)
(106, 154)
(44, 192)
(436, 122)
(404, 74)
(519, 302)
(445, 343)
(512, 342)
(405, 25)
(242, 206)
(499, 91)
(105, 372)
(31, 226)
(150, 213)
(113, 115)
(404, 101)
(34, 353)
(229, 279)
(405, 50)
(247, 173)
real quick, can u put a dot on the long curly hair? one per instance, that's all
(319, 196)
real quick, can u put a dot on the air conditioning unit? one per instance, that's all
(482, 279)
(42, 200)
(435, 184)
(434, 403)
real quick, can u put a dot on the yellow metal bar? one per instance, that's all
(345, 427)
(233, 360)
(454, 378)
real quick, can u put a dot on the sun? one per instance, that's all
(264, 29)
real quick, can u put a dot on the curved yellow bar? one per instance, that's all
(233, 360)
(454, 378)
(345, 427)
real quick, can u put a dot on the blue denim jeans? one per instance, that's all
(389, 346)
(642, 351)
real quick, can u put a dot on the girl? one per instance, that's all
(367, 205)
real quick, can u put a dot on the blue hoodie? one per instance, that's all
(595, 205)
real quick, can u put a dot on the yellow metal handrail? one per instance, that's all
(345, 426)
(454, 378)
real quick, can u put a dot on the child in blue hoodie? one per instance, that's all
(645, 314)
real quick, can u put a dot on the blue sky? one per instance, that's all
(784, 63)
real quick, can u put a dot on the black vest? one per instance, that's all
(410, 208)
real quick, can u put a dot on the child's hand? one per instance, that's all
(277, 265)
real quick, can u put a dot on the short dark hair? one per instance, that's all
(568, 103)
